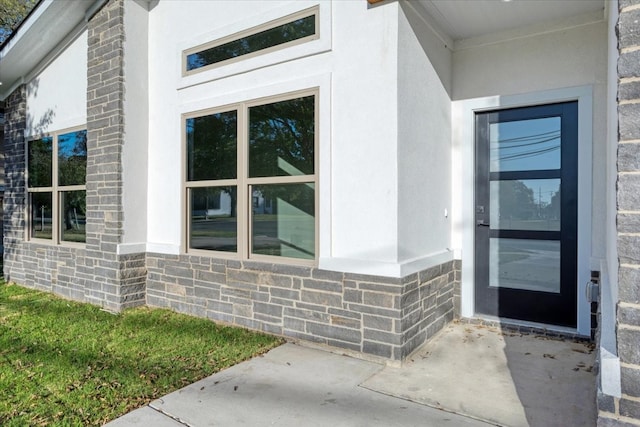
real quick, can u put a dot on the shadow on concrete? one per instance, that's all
(504, 377)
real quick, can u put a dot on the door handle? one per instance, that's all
(481, 223)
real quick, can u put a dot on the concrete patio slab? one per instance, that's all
(291, 386)
(507, 378)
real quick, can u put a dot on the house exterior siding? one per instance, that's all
(394, 180)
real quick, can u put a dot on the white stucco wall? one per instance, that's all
(356, 73)
(136, 127)
(424, 142)
(57, 95)
(566, 63)
(560, 59)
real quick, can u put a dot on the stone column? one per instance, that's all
(627, 408)
(14, 195)
(119, 281)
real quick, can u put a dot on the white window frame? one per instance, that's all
(243, 182)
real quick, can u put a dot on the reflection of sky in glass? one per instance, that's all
(525, 145)
(72, 144)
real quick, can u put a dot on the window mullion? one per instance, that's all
(55, 196)
(243, 211)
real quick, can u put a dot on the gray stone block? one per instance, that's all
(242, 276)
(430, 274)
(377, 299)
(334, 332)
(629, 249)
(622, 4)
(390, 288)
(386, 312)
(629, 408)
(209, 292)
(344, 321)
(377, 349)
(321, 298)
(269, 309)
(381, 336)
(377, 322)
(630, 381)
(343, 344)
(629, 29)
(629, 285)
(629, 114)
(628, 66)
(207, 276)
(265, 319)
(285, 293)
(289, 323)
(306, 314)
(322, 285)
(629, 91)
(352, 295)
(628, 223)
(605, 421)
(344, 313)
(629, 315)
(333, 276)
(628, 345)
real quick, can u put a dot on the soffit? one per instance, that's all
(37, 39)
(464, 19)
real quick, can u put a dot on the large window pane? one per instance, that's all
(281, 138)
(40, 159)
(212, 146)
(281, 34)
(214, 224)
(283, 220)
(41, 221)
(532, 204)
(72, 158)
(525, 145)
(73, 221)
(532, 265)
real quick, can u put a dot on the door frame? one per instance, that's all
(463, 184)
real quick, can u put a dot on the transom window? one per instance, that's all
(251, 178)
(292, 29)
(56, 178)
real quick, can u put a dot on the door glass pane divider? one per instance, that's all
(525, 234)
(533, 174)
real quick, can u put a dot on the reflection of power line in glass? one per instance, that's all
(533, 141)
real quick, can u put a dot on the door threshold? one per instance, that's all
(525, 326)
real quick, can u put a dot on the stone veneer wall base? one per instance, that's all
(374, 315)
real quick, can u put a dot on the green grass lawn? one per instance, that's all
(66, 363)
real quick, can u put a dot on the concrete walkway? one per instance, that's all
(503, 377)
(289, 386)
(468, 375)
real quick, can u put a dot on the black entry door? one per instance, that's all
(526, 213)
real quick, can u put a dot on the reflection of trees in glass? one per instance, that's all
(553, 208)
(72, 158)
(516, 200)
(212, 153)
(41, 205)
(40, 162)
(72, 170)
(74, 205)
(212, 147)
(281, 34)
(281, 138)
